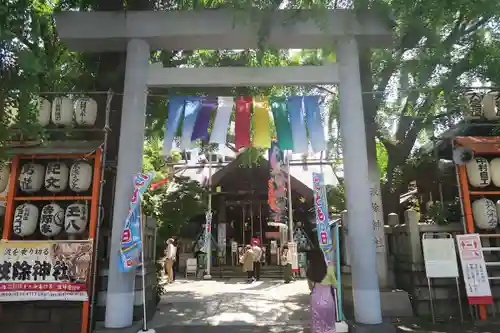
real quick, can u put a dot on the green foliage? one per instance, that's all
(175, 202)
(174, 205)
(336, 197)
(382, 159)
(445, 213)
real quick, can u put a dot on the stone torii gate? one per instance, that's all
(141, 32)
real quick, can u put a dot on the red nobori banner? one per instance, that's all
(44, 270)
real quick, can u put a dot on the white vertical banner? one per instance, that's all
(208, 232)
(221, 239)
(292, 247)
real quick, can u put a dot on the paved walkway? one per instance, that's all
(267, 306)
(234, 302)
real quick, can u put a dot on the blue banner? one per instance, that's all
(314, 124)
(131, 241)
(322, 222)
(175, 112)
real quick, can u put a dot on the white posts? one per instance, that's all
(359, 202)
(120, 295)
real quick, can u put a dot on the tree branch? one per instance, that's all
(477, 25)
(233, 148)
(325, 89)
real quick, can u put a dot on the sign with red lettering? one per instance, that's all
(477, 284)
(45, 270)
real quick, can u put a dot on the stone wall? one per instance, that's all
(405, 256)
(41, 317)
(407, 270)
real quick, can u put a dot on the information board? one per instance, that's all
(474, 270)
(440, 257)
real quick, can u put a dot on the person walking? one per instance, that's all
(170, 252)
(257, 253)
(175, 267)
(322, 283)
(286, 262)
(247, 259)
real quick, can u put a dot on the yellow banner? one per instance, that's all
(262, 134)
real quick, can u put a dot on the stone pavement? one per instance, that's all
(234, 302)
(267, 306)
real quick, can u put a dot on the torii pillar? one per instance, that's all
(139, 33)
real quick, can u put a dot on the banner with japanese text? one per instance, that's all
(277, 185)
(45, 270)
(322, 221)
(131, 242)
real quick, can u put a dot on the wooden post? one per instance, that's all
(9, 207)
(93, 221)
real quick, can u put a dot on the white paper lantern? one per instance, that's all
(474, 102)
(85, 111)
(56, 177)
(51, 220)
(25, 220)
(75, 220)
(62, 111)
(4, 176)
(31, 177)
(44, 110)
(80, 177)
(491, 104)
(485, 214)
(478, 172)
(495, 171)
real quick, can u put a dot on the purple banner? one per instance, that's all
(200, 130)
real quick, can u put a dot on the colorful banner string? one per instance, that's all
(175, 113)
(262, 133)
(242, 122)
(297, 120)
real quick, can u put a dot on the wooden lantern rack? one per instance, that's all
(482, 146)
(93, 200)
(72, 150)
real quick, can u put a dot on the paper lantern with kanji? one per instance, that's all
(31, 177)
(485, 214)
(474, 102)
(51, 220)
(85, 111)
(491, 104)
(25, 220)
(478, 172)
(495, 171)
(80, 177)
(62, 111)
(44, 111)
(4, 176)
(76, 218)
(56, 177)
